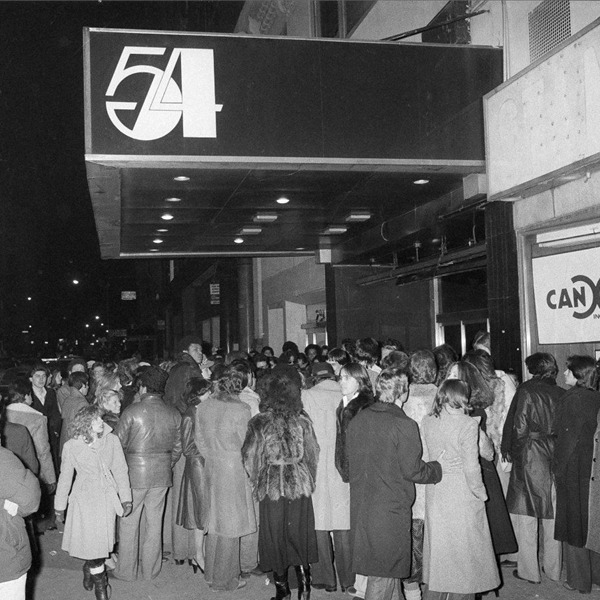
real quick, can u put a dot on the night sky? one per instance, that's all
(47, 230)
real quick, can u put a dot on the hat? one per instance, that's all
(187, 341)
(322, 369)
(154, 379)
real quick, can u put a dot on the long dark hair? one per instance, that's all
(583, 368)
(481, 395)
(358, 372)
(454, 393)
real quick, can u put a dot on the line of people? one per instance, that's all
(353, 467)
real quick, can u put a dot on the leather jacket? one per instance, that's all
(150, 433)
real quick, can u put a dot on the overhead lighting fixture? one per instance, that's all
(153, 249)
(582, 234)
(249, 230)
(421, 181)
(282, 200)
(265, 217)
(358, 216)
(239, 240)
(157, 241)
(181, 178)
(163, 230)
(167, 217)
(173, 199)
(28, 297)
(300, 248)
(335, 230)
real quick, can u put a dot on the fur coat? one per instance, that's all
(344, 416)
(280, 454)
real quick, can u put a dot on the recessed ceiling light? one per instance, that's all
(173, 199)
(181, 178)
(358, 216)
(162, 230)
(239, 240)
(300, 248)
(166, 217)
(336, 229)
(282, 200)
(250, 230)
(157, 241)
(153, 249)
(421, 181)
(265, 217)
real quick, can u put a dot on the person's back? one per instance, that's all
(18, 440)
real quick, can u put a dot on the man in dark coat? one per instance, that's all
(384, 456)
(528, 442)
(150, 433)
(19, 497)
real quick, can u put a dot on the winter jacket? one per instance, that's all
(150, 433)
(280, 455)
(18, 440)
(180, 374)
(21, 487)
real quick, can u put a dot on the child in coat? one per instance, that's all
(101, 492)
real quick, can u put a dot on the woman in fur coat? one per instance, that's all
(280, 455)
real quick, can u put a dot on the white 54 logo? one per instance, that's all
(165, 102)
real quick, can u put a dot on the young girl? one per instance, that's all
(458, 556)
(100, 493)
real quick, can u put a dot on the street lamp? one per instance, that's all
(75, 281)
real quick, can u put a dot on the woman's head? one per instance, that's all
(483, 362)
(87, 424)
(195, 389)
(354, 379)
(481, 394)
(106, 381)
(583, 370)
(110, 401)
(367, 351)
(337, 358)
(280, 393)
(397, 359)
(391, 385)
(423, 368)
(445, 355)
(230, 381)
(453, 393)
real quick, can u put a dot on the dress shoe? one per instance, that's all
(516, 574)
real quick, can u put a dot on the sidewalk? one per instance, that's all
(59, 578)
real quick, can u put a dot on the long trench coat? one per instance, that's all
(574, 426)
(93, 506)
(531, 448)
(331, 498)
(221, 424)
(384, 456)
(458, 555)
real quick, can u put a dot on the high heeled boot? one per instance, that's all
(88, 584)
(282, 588)
(102, 588)
(304, 581)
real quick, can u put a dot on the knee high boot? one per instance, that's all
(282, 588)
(304, 581)
(88, 584)
(102, 588)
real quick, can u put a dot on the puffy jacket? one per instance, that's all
(150, 433)
(20, 486)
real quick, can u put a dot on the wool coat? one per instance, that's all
(384, 452)
(593, 534)
(531, 448)
(36, 423)
(574, 427)
(331, 498)
(93, 505)
(221, 424)
(21, 487)
(49, 408)
(191, 497)
(344, 415)
(458, 556)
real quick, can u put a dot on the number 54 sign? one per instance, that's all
(165, 102)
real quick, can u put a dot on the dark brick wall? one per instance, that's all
(503, 287)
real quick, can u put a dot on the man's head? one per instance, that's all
(391, 386)
(367, 351)
(321, 371)
(152, 380)
(77, 364)
(39, 376)
(542, 365)
(79, 381)
(192, 345)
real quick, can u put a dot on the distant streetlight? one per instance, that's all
(29, 298)
(97, 318)
(87, 325)
(75, 281)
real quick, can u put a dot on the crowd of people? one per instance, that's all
(364, 467)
